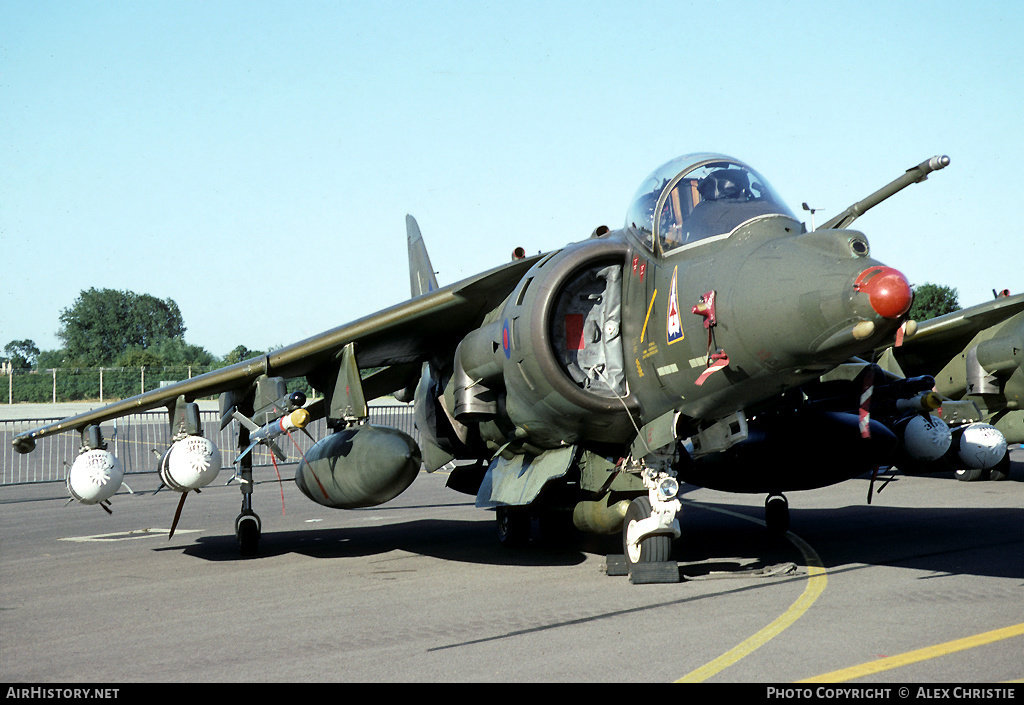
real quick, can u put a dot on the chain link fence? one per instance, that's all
(139, 440)
(99, 383)
(90, 383)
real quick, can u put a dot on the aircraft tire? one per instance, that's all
(653, 549)
(513, 526)
(969, 474)
(776, 514)
(247, 529)
(1001, 471)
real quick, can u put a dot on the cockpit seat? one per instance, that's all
(726, 202)
(724, 183)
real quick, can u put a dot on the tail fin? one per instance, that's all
(421, 273)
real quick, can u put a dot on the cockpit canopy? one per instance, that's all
(699, 196)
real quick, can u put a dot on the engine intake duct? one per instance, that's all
(991, 360)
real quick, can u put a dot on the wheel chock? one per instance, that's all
(616, 565)
(654, 572)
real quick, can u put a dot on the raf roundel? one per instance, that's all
(506, 340)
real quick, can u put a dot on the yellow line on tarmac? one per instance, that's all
(885, 664)
(817, 579)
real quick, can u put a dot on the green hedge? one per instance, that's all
(83, 384)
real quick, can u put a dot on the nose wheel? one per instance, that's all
(655, 548)
(776, 514)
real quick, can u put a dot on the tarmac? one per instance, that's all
(922, 586)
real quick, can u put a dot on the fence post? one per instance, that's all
(101, 385)
(54, 385)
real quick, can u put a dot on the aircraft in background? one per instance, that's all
(711, 340)
(975, 356)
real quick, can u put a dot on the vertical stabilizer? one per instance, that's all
(421, 273)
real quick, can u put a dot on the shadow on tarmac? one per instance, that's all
(937, 541)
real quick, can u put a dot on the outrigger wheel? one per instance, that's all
(1001, 470)
(776, 514)
(248, 529)
(656, 548)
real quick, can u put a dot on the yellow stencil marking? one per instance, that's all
(650, 307)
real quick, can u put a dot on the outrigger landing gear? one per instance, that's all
(776, 514)
(248, 529)
(247, 525)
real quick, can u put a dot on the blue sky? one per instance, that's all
(254, 161)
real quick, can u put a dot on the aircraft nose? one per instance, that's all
(887, 289)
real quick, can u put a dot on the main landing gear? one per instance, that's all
(514, 525)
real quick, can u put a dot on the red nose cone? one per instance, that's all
(887, 289)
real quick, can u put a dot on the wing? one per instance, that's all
(966, 323)
(398, 337)
(939, 339)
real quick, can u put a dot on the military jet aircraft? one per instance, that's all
(975, 356)
(688, 345)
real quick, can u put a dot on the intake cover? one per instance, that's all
(555, 350)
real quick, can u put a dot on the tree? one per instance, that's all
(49, 359)
(22, 353)
(239, 354)
(169, 352)
(137, 357)
(932, 300)
(103, 323)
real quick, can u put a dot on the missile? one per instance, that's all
(295, 421)
(288, 403)
(925, 401)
